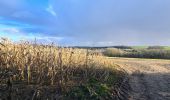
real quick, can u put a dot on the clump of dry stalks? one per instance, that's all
(34, 64)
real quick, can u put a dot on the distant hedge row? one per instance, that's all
(139, 53)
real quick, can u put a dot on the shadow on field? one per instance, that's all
(150, 86)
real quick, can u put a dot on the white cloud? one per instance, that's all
(11, 33)
(51, 10)
(9, 30)
(46, 38)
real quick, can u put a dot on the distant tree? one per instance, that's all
(123, 47)
(113, 52)
(155, 47)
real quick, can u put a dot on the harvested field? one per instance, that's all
(149, 78)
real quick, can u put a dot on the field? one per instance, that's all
(32, 71)
(139, 47)
(151, 52)
(39, 72)
(149, 78)
(145, 47)
(149, 72)
(167, 47)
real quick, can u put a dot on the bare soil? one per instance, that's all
(149, 78)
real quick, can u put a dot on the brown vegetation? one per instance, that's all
(50, 72)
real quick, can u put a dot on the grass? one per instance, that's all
(32, 71)
(138, 53)
(145, 47)
(139, 47)
(167, 47)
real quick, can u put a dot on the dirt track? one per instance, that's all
(149, 79)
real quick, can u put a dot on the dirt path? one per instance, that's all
(149, 79)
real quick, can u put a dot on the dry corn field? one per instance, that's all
(46, 72)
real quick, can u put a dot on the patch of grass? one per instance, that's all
(92, 90)
(139, 47)
(167, 47)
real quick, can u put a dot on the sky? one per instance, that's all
(87, 22)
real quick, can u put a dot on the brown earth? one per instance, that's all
(149, 79)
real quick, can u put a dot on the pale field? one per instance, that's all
(149, 78)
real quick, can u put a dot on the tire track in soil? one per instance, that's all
(149, 79)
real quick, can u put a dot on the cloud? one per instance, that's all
(51, 10)
(12, 33)
(88, 22)
(10, 30)
(16, 35)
